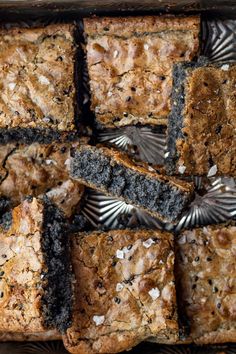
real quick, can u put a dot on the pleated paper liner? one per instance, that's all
(219, 39)
(104, 211)
(145, 347)
(144, 143)
(214, 202)
(152, 348)
(52, 347)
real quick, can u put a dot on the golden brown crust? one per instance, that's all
(37, 77)
(206, 276)
(66, 196)
(21, 262)
(124, 290)
(209, 121)
(130, 62)
(138, 25)
(34, 169)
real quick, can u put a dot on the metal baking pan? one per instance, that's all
(69, 10)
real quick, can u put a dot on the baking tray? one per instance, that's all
(61, 10)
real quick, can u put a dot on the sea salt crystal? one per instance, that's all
(167, 154)
(146, 46)
(212, 171)
(151, 169)
(225, 67)
(43, 80)
(181, 169)
(205, 231)
(109, 93)
(46, 120)
(115, 54)
(67, 162)
(154, 293)
(120, 254)
(98, 320)
(12, 85)
(148, 243)
(119, 287)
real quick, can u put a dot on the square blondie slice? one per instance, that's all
(124, 290)
(202, 124)
(37, 70)
(206, 283)
(130, 63)
(35, 282)
(35, 169)
(113, 173)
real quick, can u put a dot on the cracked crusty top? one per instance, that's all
(124, 290)
(37, 77)
(209, 121)
(36, 169)
(21, 267)
(130, 65)
(206, 274)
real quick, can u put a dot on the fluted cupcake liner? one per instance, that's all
(50, 347)
(144, 143)
(219, 39)
(149, 348)
(214, 202)
(102, 210)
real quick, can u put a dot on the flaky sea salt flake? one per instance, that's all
(148, 243)
(212, 171)
(99, 320)
(225, 67)
(120, 254)
(115, 54)
(181, 169)
(154, 293)
(119, 287)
